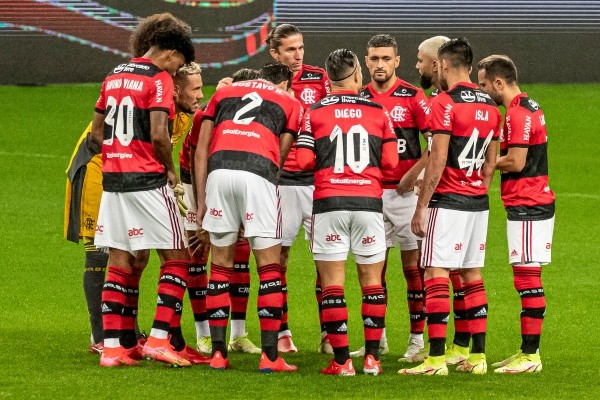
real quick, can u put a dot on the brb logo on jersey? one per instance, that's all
(308, 96)
(398, 113)
(216, 213)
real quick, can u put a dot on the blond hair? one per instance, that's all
(431, 46)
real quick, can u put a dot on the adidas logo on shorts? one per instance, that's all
(514, 253)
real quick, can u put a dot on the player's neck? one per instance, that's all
(335, 89)
(452, 78)
(382, 87)
(511, 93)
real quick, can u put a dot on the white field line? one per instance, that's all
(30, 155)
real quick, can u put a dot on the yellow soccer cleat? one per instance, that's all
(243, 344)
(508, 360)
(431, 366)
(475, 364)
(525, 363)
(456, 355)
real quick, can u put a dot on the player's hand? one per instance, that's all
(199, 244)
(172, 179)
(179, 192)
(418, 225)
(404, 186)
(227, 81)
(417, 188)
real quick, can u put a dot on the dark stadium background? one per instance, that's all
(65, 41)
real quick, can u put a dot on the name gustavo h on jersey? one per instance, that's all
(258, 85)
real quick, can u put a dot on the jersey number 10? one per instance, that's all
(357, 166)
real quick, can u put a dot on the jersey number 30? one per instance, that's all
(120, 119)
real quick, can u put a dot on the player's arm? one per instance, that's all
(433, 172)
(513, 161)
(409, 180)
(286, 141)
(96, 136)
(389, 147)
(161, 144)
(200, 169)
(489, 164)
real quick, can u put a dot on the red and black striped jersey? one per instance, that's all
(472, 120)
(526, 194)
(348, 139)
(128, 95)
(408, 109)
(310, 84)
(249, 117)
(189, 143)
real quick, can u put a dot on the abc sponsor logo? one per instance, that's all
(216, 213)
(368, 240)
(332, 237)
(458, 247)
(249, 216)
(99, 228)
(135, 232)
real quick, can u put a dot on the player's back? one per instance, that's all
(349, 133)
(527, 193)
(472, 119)
(249, 117)
(129, 93)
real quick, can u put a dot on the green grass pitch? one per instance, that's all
(44, 329)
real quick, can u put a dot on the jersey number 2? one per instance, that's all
(255, 101)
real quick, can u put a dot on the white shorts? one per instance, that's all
(397, 214)
(530, 241)
(296, 209)
(133, 221)
(235, 198)
(455, 239)
(188, 198)
(336, 232)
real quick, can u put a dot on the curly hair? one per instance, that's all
(165, 32)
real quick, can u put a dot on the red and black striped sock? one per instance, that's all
(319, 297)
(239, 285)
(128, 335)
(171, 288)
(114, 300)
(270, 301)
(437, 299)
(477, 310)
(284, 309)
(335, 319)
(462, 336)
(373, 315)
(217, 306)
(415, 300)
(197, 284)
(528, 282)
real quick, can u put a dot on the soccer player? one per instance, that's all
(465, 126)
(246, 132)
(408, 110)
(84, 190)
(528, 200)
(239, 287)
(347, 139)
(309, 85)
(138, 209)
(458, 351)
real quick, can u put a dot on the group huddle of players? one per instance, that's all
(294, 145)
